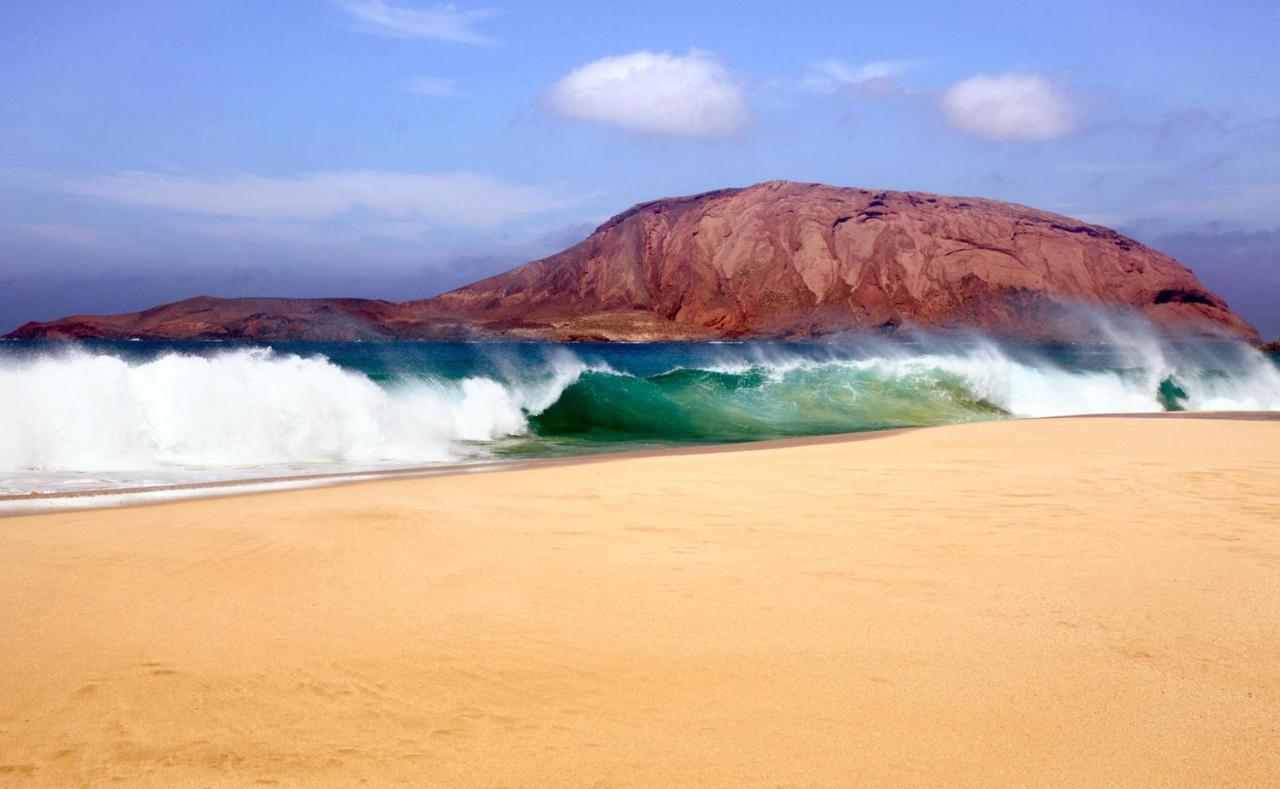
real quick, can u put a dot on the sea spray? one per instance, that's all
(247, 407)
(113, 414)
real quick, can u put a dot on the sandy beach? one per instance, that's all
(1084, 601)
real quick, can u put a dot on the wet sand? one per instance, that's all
(1069, 601)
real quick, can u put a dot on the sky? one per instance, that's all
(393, 149)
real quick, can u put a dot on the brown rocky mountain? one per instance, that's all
(777, 259)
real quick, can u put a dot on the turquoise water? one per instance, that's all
(109, 414)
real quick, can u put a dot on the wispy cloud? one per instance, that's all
(444, 22)
(461, 199)
(434, 86)
(1248, 204)
(655, 93)
(1117, 167)
(876, 79)
(1175, 205)
(1190, 122)
(61, 233)
(25, 246)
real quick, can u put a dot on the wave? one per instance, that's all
(708, 405)
(901, 387)
(82, 411)
(244, 408)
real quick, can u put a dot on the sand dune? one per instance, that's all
(1075, 601)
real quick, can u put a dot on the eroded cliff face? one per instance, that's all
(777, 259)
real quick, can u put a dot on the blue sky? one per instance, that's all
(152, 151)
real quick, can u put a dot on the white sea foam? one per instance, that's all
(243, 409)
(77, 420)
(1216, 376)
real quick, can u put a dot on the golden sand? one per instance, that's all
(1078, 601)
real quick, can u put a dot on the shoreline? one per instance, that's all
(145, 495)
(1070, 601)
(231, 487)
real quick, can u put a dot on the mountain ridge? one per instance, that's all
(777, 259)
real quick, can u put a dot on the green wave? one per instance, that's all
(709, 405)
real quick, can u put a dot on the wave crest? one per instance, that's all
(244, 408)
(220, 413)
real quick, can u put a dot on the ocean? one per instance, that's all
(99, 415)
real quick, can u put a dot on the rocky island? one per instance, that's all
(778, 259)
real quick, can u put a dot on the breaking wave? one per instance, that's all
(83, 411)
(899, 388)
(245, 408)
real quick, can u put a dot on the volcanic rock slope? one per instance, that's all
(778, 259)
(784, 258)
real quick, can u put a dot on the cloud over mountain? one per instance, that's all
(656, 94)
(1011, 107)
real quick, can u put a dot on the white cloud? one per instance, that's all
(445, 22)
(876, 79)
(434, 86)
(655, 93)
(460, 198)
(1009, 107)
